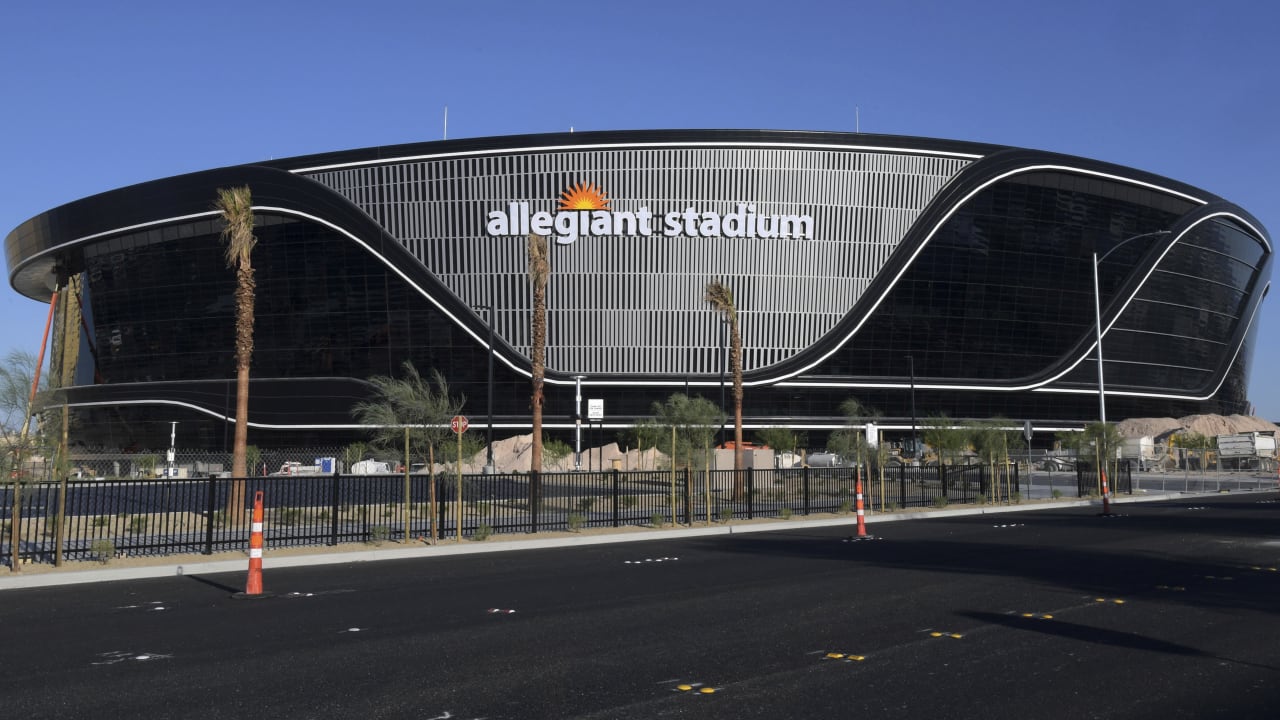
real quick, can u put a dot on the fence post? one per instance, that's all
(615, 497)
(751, 493)
(688, 496)
(902, 485)
(804, 490)
(334, 500)
(534, 482)
(211, 497)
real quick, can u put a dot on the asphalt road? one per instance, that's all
(1169, 610)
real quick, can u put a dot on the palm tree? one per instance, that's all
(721, 298)
(416, 412)
(236, 205)
(539, 271)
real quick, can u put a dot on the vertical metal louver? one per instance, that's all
(635, 305)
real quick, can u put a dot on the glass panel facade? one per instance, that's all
(1005, 287)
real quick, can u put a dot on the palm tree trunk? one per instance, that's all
(539, 373)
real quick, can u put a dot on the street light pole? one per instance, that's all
(577, 422)
(488, 466)
(1102, 394)
(915, 443)
(1097, 313)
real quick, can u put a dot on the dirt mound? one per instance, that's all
(1207, 425)
(513, 454)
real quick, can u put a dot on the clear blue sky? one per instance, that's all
(95, 96)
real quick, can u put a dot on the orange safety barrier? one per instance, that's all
(862, 521)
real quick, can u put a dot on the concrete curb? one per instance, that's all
(76, 577)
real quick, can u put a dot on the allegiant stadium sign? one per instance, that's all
(584, 212)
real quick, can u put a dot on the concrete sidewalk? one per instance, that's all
(169, 566)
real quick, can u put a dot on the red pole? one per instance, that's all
(254, 584)
(862, 522)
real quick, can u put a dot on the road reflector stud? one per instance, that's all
(957, 636)
(857, 658)
(935, 634)
(706, 691)
(684, 688)
(1118, 602)
(835, 656)
(1028, 614)
(1046, 617)
(1099, 599)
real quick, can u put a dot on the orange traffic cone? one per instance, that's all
(253, 586)
(862, 520)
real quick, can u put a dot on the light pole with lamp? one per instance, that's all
(915, 443)
(488, 466)
(577, 422)
(1102, 395)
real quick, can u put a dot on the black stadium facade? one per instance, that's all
(919, 276)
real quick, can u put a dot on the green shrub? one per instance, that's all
(138, 524)
(482, 533)
(941, 501)
(1056, 493)
(784, 513)
(100, 522)
(846, 506)
(576, 521)
(726, 514)
(1017, 498)
(657, 520)
(102, 550)
(378, 534)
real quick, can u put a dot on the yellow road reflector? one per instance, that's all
(706, 691)
(1099, 599)
(835, 656)
(956, 635)
(684, 688)
(1047, 617)
(857, 658)
(1028, 614)
(935, 634)
(1118, 601)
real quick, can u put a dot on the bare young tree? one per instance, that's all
(236, 206)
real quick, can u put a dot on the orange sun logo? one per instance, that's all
(583, 196)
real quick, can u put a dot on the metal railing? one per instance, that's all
(102, 518)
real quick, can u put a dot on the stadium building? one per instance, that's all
(920, 276)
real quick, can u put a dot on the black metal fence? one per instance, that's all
(1119, 479)
(103, 518)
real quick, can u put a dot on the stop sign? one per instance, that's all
(458, 424)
